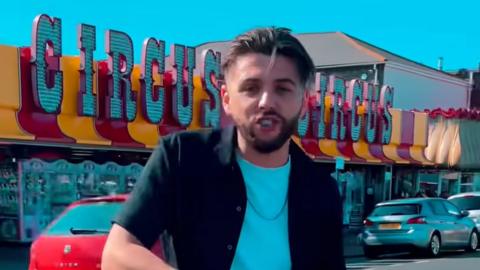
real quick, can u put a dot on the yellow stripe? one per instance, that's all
(361, 149)
(140, 130)
(10, 95)
(390, 151)
(396, 126)
(421, 126)
(329, 148)
(81, 128)
(417, 151)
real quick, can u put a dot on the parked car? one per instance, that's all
(75, 239)
(429, 225)
(468, 201)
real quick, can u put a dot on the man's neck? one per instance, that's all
(274, 159)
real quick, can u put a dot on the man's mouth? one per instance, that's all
(266, 123)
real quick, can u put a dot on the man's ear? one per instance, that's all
(225, 99)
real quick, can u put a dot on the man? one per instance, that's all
(244, 197)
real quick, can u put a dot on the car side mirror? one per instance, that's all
(464, 213)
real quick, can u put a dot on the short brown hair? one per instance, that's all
(268, 40)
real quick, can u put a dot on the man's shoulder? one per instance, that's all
(323, 170)
(310, 167)
(193, 146)
(199, 137)
(320, 173)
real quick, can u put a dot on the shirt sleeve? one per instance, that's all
(336, 244)
(148, 210)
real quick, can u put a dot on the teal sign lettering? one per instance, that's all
(373, 95)
(338, 123)
(386, 102)
(120, 65)
(86, 98)
(321, 91)
(153, 64)
(210, 110)
(183, 65)
(355, 97)
(47, 78)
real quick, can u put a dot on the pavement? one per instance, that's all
(351, 244)
(448, 260)
(14, 256)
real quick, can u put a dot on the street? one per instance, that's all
(16, 258)
(447, 261)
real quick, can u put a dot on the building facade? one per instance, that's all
(75, 127)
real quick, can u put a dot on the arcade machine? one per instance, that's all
(33, 192)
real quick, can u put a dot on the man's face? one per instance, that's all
(265, 98)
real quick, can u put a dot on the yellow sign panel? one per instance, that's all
(10, 94)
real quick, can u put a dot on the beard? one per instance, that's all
(287, 129)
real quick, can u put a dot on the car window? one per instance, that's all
(467, 202)
(451, 209)
(397, 210)
(92, 216)
(438, 208)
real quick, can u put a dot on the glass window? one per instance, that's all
(467, 202)
(397, 210)
(405, 184)
(466, 184)
(438, 208)
(451, 209)
(92, 216)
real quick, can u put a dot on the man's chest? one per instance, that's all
(211, 206)
(216, 199)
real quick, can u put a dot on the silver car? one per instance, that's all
(468, 201)
(424, 224)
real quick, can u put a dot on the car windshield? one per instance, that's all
(396, 210)
(467, 202)
(88, 218)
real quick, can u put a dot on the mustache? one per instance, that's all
(269, 113)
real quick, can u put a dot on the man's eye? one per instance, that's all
(250, 88)
(284, 90)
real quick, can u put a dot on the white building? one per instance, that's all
(416, 86)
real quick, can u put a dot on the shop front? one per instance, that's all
(372, 148)
(82, 113)
(453, 145)
(34, 191)
(78, 105)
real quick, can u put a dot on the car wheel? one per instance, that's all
(434, 245)
(473, 241)
(371, 252)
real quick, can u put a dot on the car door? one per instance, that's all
(441, 222)
(461, 231)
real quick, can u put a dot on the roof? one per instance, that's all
(343, 50)
(392, 57)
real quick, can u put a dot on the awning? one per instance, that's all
(454, 139)
(407, 144)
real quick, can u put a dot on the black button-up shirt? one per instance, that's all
(193, 189)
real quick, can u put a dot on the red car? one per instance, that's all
(75, 239)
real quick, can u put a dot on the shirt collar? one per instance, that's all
(228, 144)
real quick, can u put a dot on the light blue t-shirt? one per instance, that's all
(263, 242)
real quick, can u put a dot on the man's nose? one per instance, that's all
(267, 100)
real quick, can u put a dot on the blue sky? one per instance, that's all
(419, 30)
